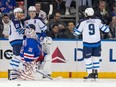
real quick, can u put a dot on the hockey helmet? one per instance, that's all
(32, 8)
(18, 10)
(89, 12)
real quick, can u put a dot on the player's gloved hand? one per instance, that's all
(41, 57)
(41, 38)
(20, 30)
(42, 35)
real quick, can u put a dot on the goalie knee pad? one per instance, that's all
(47, 58)
(29, 71)
(47, 64)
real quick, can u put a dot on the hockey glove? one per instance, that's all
(20, 30)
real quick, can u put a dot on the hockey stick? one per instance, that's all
(50, 11)
(45, 75)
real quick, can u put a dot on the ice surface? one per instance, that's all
(59, 83)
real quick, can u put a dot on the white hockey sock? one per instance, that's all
(14, 62)
(89, 65)
(13, 70)
(96, 63)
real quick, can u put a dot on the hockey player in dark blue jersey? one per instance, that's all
(30, 53)
(31, 46)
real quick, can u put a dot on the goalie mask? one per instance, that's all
(30, 31)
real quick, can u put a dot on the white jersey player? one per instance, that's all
(15, 38)
(41, 13)
(90, 28)
(33, 19)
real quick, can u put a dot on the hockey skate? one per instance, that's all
(95, 74)
(13, 74)
(92, 76)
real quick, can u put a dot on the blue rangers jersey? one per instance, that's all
(90, 29)
(14, 36)
(31, 50)
(39, 25)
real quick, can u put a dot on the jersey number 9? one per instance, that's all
(91, 29)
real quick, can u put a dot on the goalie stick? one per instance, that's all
(45, 75)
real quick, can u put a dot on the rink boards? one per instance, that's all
(67, 60)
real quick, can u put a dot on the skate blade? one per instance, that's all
(90, 80)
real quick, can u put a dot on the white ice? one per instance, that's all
(59, 83)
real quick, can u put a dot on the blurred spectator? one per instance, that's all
(8, 5)
(41, 13)
(0, 7)
(59, 2)
(21, 5)
(67, 6)
(30, 3)
(69, 32)
(112, 27)
(110, 4)
(6, 22)
(56, 20)
(95, 4)
(1, 29)
(54, 33)
(85, 2)
(62, 31)
(82, 11)
(114, 10)
(103, 13)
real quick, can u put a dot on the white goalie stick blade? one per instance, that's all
(45, 75)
